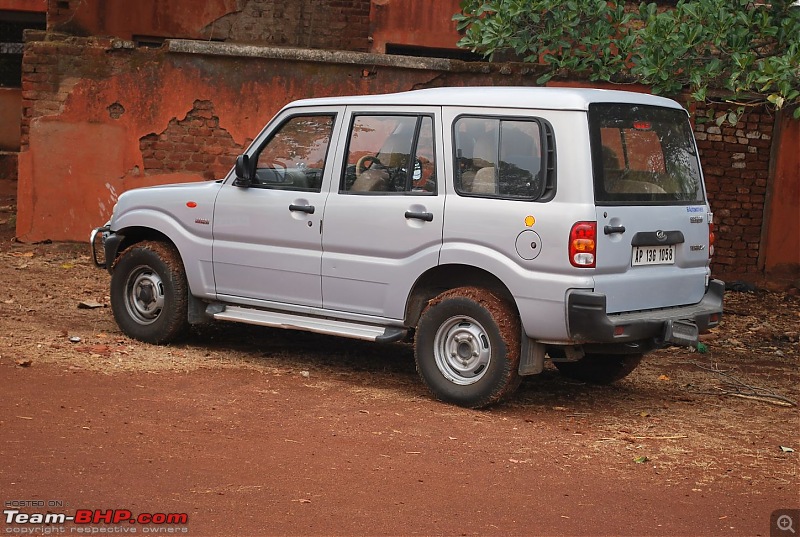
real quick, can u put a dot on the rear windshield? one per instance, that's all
(643, 155)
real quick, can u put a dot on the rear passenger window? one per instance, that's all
(390, 154)
(503, 158)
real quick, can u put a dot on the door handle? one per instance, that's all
(309, 209)
(428, 217)
(608, 230)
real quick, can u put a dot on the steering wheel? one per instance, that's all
(361, 164)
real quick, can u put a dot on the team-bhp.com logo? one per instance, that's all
(153, 522)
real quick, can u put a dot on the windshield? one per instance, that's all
(643, 155)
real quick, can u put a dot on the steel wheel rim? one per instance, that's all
(462, 350)
(144, 295)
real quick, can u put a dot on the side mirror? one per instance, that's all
(244, 172)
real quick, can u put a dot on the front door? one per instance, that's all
(267, 237)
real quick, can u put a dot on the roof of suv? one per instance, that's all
(498, 97)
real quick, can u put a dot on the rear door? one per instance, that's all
(384, 217)
(652, 215)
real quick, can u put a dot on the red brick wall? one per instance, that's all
(326, 24)
(736, 166)
(330, 24)
(47, 67)
(40, 86)
(414, 23)
(194, 144)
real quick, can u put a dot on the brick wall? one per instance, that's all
(332, 24)
(736, 166)
(40, 83)
(45, 88)
(195, 144)
(60, 12)
(322, 24)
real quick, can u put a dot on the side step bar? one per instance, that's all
(368, 332)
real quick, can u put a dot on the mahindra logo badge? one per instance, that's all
(660, 235)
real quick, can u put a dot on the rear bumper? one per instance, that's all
(589, 322)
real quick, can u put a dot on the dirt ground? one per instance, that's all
(252, 431)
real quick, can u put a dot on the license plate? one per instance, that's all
(653, 255)
(681, 333)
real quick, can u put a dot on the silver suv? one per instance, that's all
(493, 227)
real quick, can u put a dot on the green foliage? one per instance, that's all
(749, 51)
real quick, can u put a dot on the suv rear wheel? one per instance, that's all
(467, 347)
(600, 368)
(149, 293)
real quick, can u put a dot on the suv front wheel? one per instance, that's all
(149, 296)
(467, 347)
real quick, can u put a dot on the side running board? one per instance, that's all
(369, 332)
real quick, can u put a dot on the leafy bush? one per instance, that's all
(745, 52)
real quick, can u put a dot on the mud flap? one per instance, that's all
(531, 359)
(681, 333)
(197, 311)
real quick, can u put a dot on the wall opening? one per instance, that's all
(12, 26)
(432, 52)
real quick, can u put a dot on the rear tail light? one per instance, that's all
(583, 244)
(710, 239)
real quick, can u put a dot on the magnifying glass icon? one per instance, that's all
(785, 523)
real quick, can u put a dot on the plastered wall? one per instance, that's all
(100, 118)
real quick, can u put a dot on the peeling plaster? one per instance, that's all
(195, 144)
(115, 110)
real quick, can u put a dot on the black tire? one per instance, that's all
(600, 368)
(467, 347)
(149, 293)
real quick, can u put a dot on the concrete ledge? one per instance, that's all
(216, 48)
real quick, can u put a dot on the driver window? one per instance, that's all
(294, 157)
(390, 154)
